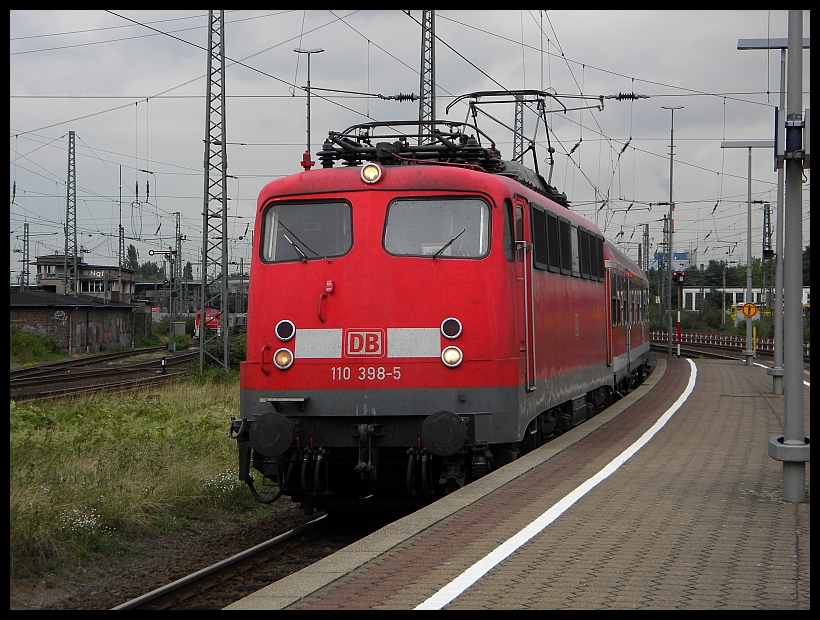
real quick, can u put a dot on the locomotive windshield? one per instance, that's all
(439, 227)
(306, 231)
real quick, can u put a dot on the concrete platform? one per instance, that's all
(694, 519)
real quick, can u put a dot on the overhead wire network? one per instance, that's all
(615, 147)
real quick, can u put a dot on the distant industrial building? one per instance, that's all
(114, 284)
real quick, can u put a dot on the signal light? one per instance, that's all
(451, 328)
(285, 330)
(679, 276)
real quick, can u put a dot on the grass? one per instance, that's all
(90, 475)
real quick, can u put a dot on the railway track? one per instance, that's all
(715, 351)
(97, 374)
(193, 585)
(94, 360)
(235, 577)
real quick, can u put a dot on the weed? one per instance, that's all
(88, 475)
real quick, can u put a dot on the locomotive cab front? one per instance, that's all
(378, 339)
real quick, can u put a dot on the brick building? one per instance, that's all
(82, 324)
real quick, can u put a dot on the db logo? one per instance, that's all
(359, 342)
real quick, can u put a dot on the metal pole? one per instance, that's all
(776, 370)
(748, 144)
(794, 468)
(299, 50)
(308, 105)
(671, 225)
(724, 293)
(748, 352)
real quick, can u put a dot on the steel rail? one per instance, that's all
(167, 595)
(84, 361)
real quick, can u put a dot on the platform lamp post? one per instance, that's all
(748, 353)
(299, 50)
(776, 371)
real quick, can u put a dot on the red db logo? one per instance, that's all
(360, 342)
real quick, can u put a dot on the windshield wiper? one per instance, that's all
(297, 248)
(449, 243)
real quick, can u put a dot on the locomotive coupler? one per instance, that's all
(320, 456)
(413, 457)
(368, 460)
(453, 477)
(482, 462)
(306, 457)
(427, 473)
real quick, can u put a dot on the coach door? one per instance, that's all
(523, 243)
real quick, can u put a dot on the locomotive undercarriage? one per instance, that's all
(415, 457)
(370, 464)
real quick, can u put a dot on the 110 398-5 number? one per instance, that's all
(365, 373)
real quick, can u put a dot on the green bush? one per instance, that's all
(182, 342)
(142, 341)
(26, 346)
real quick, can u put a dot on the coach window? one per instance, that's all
(553, 243)
(622, 299)
(509, 242)
(438, 227)
(576, 261)
(596, 257)
(306, 231)
(583, 249)
(613, 298)
(538, 220)
(566, 246)
(593, 257)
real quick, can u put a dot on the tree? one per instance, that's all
(188, 272)
(150, 271)
(132, 259)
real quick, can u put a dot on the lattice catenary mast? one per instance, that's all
(214, 293)
(70, 222)
(427, 84)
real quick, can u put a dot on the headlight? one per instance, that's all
(283, 359)
(451, 356)
(371, 173)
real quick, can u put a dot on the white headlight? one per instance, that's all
(283, 359)
(451, 356)
(371, 173)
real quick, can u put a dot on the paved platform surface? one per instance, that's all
(693, 520)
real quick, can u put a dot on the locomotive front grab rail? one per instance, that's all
(267, 347)
(323, 296)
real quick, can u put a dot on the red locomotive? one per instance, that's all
(423, 314)
(213, 321)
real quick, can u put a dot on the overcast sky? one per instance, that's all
(131, 85)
